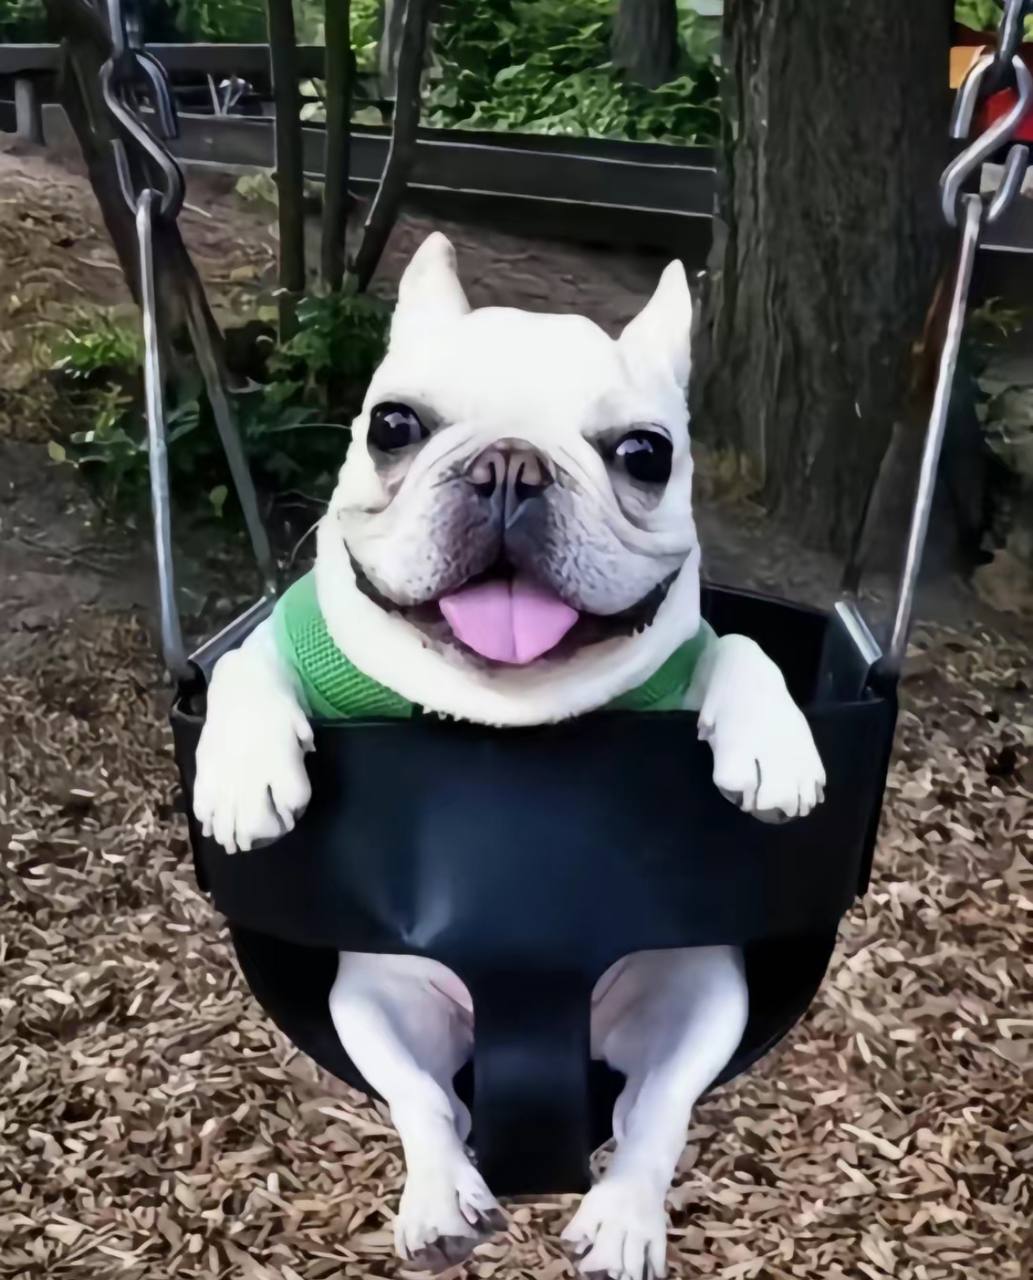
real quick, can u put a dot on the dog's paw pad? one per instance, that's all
(440, 1255)
(619, 1232)
(442, 1219)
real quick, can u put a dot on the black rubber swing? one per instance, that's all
(530, 860)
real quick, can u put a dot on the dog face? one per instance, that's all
(511, 537)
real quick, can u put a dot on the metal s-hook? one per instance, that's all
(969, 163)
(173, 190)
(118, 29)
(161, 96)
(131, 67)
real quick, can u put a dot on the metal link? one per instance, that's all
(173, 188)
(1009, 39)
(129, 71)
(172, 646)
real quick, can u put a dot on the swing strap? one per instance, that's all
(531, 1121)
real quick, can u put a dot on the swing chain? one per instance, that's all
(970, 208)
(158, 199)
(1005, 68)
(1009, 39)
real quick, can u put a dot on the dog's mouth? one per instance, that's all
(505, 615)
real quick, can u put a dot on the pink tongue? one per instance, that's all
(508, 621)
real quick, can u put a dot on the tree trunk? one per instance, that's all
(340, 76)
(645, 40)
(290, 177)
(828, 248)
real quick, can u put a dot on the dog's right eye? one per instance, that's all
(395, 426)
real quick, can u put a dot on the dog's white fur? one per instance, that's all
(668, 1021)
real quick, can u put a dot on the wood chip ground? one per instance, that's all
(153, 1123)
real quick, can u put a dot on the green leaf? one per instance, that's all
(57, 452)
(217, 497)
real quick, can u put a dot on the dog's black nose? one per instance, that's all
(511, 472)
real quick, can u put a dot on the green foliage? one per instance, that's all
(984, 15)
(1005, 406)
(993, 323)
(257, 188)
(365, 33)
(543, 66)
(341, 336)
(96, 344)
(294, 422)
(22, 20)
(233, 22)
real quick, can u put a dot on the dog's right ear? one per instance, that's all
(429, 291)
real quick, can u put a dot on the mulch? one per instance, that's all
(153, 1123)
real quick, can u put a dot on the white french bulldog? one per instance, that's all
(511, 542)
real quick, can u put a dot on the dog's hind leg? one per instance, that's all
(407, 1025)
(669, 1021)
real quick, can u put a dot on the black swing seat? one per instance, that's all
(528, 861)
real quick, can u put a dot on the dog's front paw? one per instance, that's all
(620, 1231)
(443, 1215)
(251, 783)
(765, 760)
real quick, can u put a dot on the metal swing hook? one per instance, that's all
(988, 75)
(969, 164)
(131, 67)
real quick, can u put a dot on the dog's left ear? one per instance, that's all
(429, 291)
(661, 333)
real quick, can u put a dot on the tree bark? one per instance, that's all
(340, 63)
(644, 44)
(828, 248)
(290, 177)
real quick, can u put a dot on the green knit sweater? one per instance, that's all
(335, 689)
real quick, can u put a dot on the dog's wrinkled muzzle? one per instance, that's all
(508, 617)
(510, 475)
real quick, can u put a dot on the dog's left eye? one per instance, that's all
(645, 456)
(395, 426)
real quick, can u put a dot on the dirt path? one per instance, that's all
(154, 1124)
